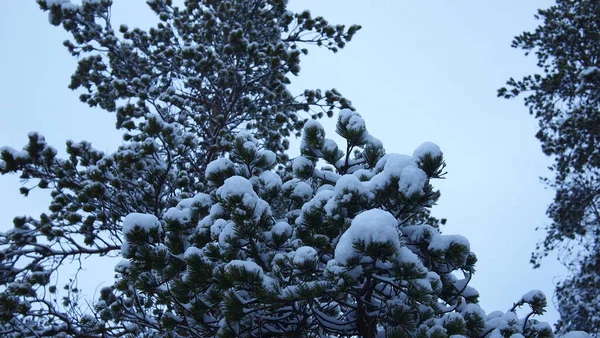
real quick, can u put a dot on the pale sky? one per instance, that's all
(418, 71)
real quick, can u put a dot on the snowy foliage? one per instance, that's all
(207, 69)
(214, 238)
(579, 299)
(564, 96)
(180, 92)
(343, 255)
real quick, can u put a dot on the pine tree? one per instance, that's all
(327, 246)
(564, 98)
(180, 91)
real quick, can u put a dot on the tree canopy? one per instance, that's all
(326, 247)
(218, 232)
(332, 244)
(179, 91)
(564, 99)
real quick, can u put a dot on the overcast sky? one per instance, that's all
(419, 70)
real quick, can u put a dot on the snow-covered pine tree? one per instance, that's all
(564, 97)
(179, 91)
(327, 248)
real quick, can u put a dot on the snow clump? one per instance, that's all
(145, 222)
(371, 226)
